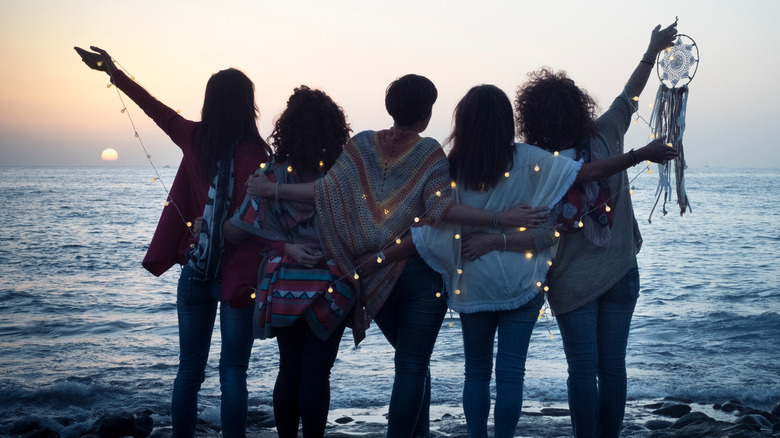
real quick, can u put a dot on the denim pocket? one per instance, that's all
(627, 288)
(193, 291)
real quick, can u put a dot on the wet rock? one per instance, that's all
(678, 399)
(776, 410)
(121, 425)
(692, 418)
(658, 424)
(42, 433)
(261, 419)
(555, 412)
(344, 420)
(755, 420)
(673, 410)
(731, 406)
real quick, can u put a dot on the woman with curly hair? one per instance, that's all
(593, 280)
(299, 300)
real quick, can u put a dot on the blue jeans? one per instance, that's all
(196, 305)
(594, 340)
(410, 319)
(514, 333)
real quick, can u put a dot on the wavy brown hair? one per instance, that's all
(482, 138)
(552, 111)
(311, 129)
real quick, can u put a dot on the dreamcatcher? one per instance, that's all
(676, 66)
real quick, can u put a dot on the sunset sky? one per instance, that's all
(55, 111)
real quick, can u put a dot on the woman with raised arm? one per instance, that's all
(383, 183)
(594, 279)
(300, 300)
(219, 153)
(501, 291)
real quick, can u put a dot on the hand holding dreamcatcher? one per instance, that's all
(676, 66)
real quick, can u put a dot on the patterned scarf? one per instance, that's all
(206, 257)
(590, 203)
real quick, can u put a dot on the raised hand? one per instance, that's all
(98, 60)
(662, 38)
(656, 151)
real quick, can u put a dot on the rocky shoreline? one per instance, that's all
(655, 418)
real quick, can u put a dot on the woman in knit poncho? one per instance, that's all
(384, 181)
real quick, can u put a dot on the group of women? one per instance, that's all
(334, 231)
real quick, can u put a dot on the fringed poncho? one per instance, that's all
(371, 196)
(499, 280)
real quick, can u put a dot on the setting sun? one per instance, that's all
(109, 155)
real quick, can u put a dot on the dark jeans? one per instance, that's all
(594, 340)
(302, 390)
(196, 305)
(410, 319)
(514, 334)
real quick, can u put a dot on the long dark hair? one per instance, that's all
(229, 115)
(311, 131)
(552, 111)
(482, 139)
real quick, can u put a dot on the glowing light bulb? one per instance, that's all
(192, 246)
(668, 49)
(539, 317)
(387, 211)
(536, 168)
(123, 110)
(398, 241)
(549, 262)
(649, 170)
(132, 77)
(253, 296)
(417, 219)
(529, 255)
(330, 290)
(178, 111)
(262, 165)
(166, 203)
(457, 291)
(580, 224)
(631, 192)
(556, 153)
(608, 208)
(538, 284)
(557, 234)
(636, 121)
(364, 196)
(547, 288)
(506, 174)
(670, 145)
(289, 168)
(521, 229)
(189, 224)
(356, 276)
(652, 135)
(453, 185)
(636, 98)
(154, 179)
(438, 294)
(450, 324)
(100, 63)
(322, 163)
(460, 271)
(671, 58)
(379, 259)
(457, 236)
(551, 336)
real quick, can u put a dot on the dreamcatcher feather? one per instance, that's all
(676, 67)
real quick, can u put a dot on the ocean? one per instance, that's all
(85, 330)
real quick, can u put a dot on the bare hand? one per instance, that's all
(522, 215)
(305, 254)
(100, 61)
(259, 185)
(475, 245)
(366, 264)
(657, 151)
(662, 38)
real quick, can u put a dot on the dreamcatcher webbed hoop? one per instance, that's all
(676, 66)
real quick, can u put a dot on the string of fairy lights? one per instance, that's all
(380, 258)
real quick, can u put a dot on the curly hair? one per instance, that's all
(311, 132)
(482, 138)
(552, 112)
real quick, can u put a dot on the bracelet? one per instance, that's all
(504, 236)
(495, 219)
(632, 154)
(276, 194)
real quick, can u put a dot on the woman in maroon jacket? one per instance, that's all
(225, 146)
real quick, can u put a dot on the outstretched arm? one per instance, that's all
(100, 61)
(259, 185)
(660, 39)
(656, 151)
